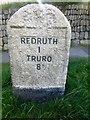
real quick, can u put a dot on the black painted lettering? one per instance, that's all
(34, 58)
(28, 40)
(44, 40)
(38, 58)
(50, 39)
(43, 58)
(39, 49)
(22, 40)
(39, 41)
(38, 66)
(54, 41)
(33, 40)
(49, 58)
(28, 56)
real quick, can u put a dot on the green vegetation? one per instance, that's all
(74, 105)
(20, 4)
(13, 5)
(2, 50)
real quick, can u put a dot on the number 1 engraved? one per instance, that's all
(39, 49)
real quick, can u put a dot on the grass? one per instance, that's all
(74, 105)
(2, 50)
(85, 45)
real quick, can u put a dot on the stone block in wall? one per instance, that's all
(5, 39)
(76, 42)
(82, 35)
(0, 28)
(71, 17)
(86, 11)
(74, 12)
(84, 28)
(88, 28)
(82, 17)
(76, 23)
(79, 17)
(73, 35)
(77, 35)
(75, 17)
(86, 7)
(3, 16)
(82, 22)
(1, 11)
(5, 46)
(87, 22)
(0, 47)
(3, 33)
(6, 16)
(9, 10)
(0, 22)
(0, 33)
(73, 6)
(81, 12)
(73, 28)
(7, 21)
(0, 16)
(6, 34)
(81, 28)
(86, 35)
(77, 13)
(6, 12)
(79, 22)
(78, 29)
(3, 27)
(68, 12)
(65, 12)
(1, 42)
(86, 17)
(82, 6)
(3, 22)
(69, 6)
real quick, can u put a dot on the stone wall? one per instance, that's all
(77, 14)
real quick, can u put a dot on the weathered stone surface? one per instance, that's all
(0, 41)
(39, 42)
